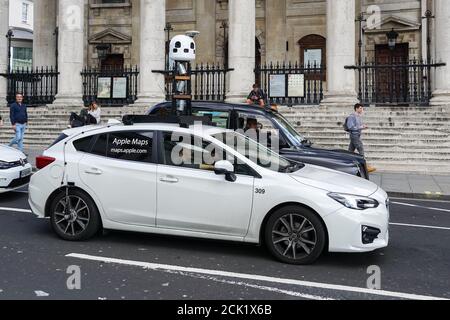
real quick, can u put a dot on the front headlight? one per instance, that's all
(354, 202)
(4, 165)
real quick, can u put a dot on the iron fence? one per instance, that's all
(398, 83)
(39, 86)
(209, 82)
(110, 86)
(314, 76)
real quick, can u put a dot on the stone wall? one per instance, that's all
(280, 24)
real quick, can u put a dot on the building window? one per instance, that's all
(22, 58)
(25, 11)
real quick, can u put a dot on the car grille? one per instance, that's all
(19, 163)
(19, 182)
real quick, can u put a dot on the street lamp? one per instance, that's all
(392, 39)
(225, 27)
(103, 50)
(168, 29)
(9, 35)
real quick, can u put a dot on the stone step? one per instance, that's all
(412, 143)
(423, 167)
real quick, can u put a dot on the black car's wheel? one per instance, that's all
(74, 217)
(295, 235)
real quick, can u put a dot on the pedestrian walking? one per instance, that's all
(19, 120)
(354, 125)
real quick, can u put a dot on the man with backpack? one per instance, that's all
(354, 125)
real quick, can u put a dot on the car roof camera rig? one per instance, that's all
(182, 51)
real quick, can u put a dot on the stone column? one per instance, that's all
(205, 11)
(71, 45)
(242, 23)
(341, 43)
(44, 42)
(441, 96)
(152, 52)
(4, 26)
(276, 34)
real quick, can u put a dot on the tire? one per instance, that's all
(301, 244)
(82, 220)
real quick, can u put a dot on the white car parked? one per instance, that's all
(142, 178)
(15, 171)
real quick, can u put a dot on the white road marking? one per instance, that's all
(41, 293)
(226, 274)
(421, 200)
(16, 210)
(264, 288)
(418, 226)
(422, 207)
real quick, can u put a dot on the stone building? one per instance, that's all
(241, 34)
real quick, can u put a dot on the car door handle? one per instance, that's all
(94, 171)
(169, 180)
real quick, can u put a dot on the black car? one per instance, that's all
(292, 145)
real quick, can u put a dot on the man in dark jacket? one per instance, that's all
(19, 119)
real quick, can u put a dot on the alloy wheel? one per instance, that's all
(72, 215)
(294, 236)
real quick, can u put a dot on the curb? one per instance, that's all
(419, 196)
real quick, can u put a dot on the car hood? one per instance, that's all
(338, 154)
(334, 181)
(8, 154)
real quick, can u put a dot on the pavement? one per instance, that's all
(37, 265)
(396, 184)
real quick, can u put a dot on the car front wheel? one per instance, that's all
(74, 217)
(295, 235)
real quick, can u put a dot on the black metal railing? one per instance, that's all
(399, 82)
(39, 86)
(209, 82)
(110, 86)
(314, 76)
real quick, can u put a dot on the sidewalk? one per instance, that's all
(416, 186)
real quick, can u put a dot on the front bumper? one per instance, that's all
(349, 230)
(15, 178)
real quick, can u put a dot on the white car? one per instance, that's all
(15, 171)
(142, 178)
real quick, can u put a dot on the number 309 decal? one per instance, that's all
(260, 191)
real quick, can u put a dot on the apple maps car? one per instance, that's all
(291, 144)
(203, 182)
(15, 171)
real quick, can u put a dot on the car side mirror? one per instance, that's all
(225, 168)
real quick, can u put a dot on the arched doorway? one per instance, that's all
(313, 51)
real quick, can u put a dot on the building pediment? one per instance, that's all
(110, 36)
(393, 22)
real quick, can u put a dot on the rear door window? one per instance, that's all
(84, 144)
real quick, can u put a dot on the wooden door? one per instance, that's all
(391, 75)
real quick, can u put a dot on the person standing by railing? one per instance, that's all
(19, 120)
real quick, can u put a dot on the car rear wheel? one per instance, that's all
(295, 235)
(74, 217)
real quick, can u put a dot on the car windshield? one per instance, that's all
(258, 153)
(288, 129)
